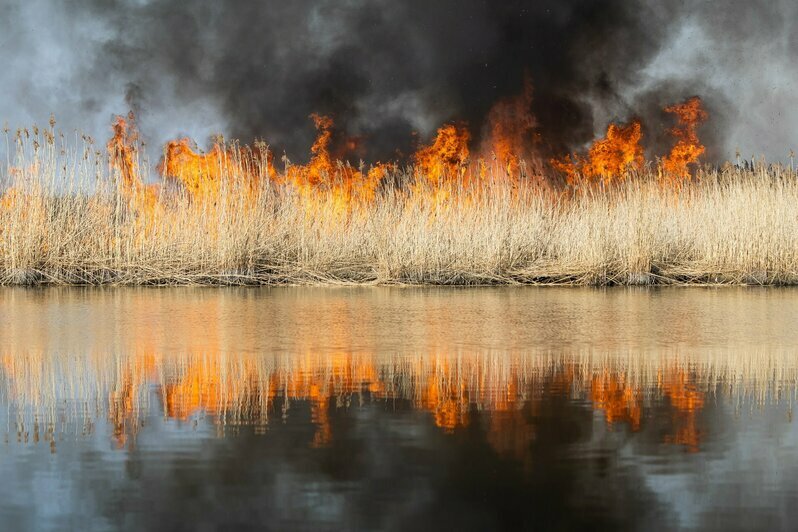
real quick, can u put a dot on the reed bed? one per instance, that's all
(66, 220)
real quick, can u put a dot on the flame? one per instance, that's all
(328, 184)
(511, 126)
(618, 152)
(200, 174)
(10, 198)
(23, 201)
(446, 157)
(204, 174)
(612, 157)
(690, 114)
(122, 150)
(123, 159)
(346, 186)
(609, 158)
(320, 169)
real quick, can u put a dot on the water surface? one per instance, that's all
(396, 408)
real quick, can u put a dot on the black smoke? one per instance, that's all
(385, 69)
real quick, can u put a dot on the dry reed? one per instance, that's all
(64, 219)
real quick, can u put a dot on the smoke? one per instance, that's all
(385, 69)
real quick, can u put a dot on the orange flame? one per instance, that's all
(609, 158)
(690, 114)
(123, 157)
(446, 157)
(320, 169)
(348, 187)
(201, 174)
(511, 126)
(122, 150)
(10, 197)
(328, 180)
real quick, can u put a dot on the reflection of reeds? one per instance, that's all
(63, 220)
(59, 393)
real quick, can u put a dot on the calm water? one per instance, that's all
(447, 409)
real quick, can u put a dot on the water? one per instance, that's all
(380, 408)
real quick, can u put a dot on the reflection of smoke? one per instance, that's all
(387, 68)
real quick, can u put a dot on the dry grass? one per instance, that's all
(65, 220)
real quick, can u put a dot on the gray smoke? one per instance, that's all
(385, 69)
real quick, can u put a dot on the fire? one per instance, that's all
(347, 186)
(204, 174)
(10, 198)
(201, 174)
(327, 183)
(620, 151)
(122, 150)
(446, 157)
(510, 129)
(690, 114)
(609, 158)
(123, 158)
(320, 169)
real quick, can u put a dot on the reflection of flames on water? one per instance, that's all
(620, 401)
(248, 389)
(686, 402)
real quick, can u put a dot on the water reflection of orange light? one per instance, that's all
(242, 389)
(686, 403)
(620, 401)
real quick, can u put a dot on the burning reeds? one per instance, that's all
(229, 216)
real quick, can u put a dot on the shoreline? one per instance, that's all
(114, 279)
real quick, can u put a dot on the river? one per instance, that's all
(396, 408)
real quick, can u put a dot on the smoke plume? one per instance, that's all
(391, 72)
